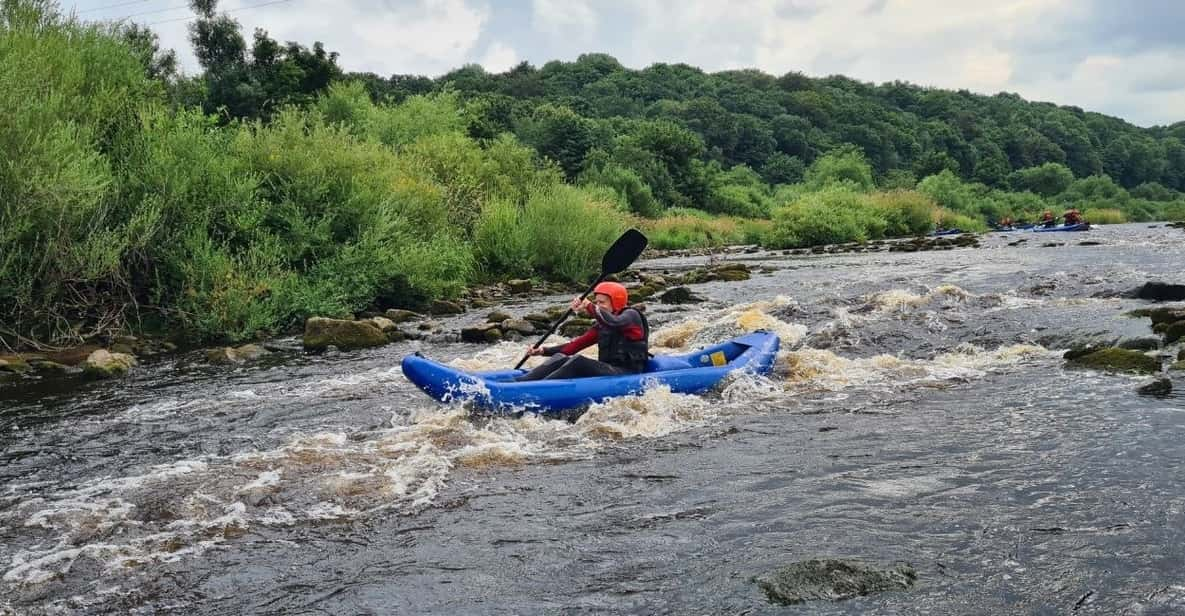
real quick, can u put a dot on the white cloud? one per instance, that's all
(499, 58)
(564, 18)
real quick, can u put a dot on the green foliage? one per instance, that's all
(629, 185)
(831, 216)
(955, 220)
(948, 191)
(695, 229)
(1104, 216)
(559, 231)
(841, 166)
(905, 212)
(1047, 180)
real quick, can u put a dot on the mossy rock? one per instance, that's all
(695, 276)
(103, 364)
(1181, 355)
(831, 580)
(519, 285)
(441, 306)
(497, 316)
(402, 316)
(44, 365)
(1174, 332)
(575, 327)
(521, 326)
(480, 333)
(731, 275)
(539, 319)
(236, 355)
(642, 292)
(1160, 315)
(1147, 343)
(1118, 360)
(1178, 365)
(320, 333)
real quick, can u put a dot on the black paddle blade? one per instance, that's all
(623, 252)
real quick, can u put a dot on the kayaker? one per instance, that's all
(621, 334)
(1072, 216)
(1047, 219)
(1005, 223)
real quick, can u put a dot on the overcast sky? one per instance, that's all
(1121, 58)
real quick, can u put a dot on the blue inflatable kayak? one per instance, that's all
(946, 232)
(1082, 226)
(498, 392)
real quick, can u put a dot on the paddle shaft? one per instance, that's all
(567, 313)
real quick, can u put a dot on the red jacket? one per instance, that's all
(628, 322)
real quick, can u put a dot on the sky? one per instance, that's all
(1125, 59)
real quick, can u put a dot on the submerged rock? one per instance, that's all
(575, 327)
(1159, 387)
(831, 580)
(1161, 292)
(320, 333)
(1114, 360)
(103, 364)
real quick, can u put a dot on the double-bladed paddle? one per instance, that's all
(620, 255)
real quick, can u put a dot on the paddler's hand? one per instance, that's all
(580, 305)
(534, 351)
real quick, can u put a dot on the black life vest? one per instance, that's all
(614, 349)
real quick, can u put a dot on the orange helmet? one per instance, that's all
(618, 296)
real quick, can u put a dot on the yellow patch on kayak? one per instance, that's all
(718, 358)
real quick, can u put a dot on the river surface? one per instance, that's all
(920, 414)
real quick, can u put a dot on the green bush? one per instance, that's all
(560, 231)
(906, 212)
(1104, 216)
(845, 165)
(827, 217)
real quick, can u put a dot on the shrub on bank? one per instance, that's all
(687, 230)
(1104, 216)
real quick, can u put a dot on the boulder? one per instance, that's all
(1174, 332)
(1147, 343)
(1116, 360)
(402, 316)
(1181, 355)
(539, 319)
(1159, 387)
(575, 327)
(641, 292)
(441, 306)
(486, 332)
(1161, 292)
(103, 364)
(497, 316)
(236, 355)
(1178, 365)
(519, 285)
(320, 333)
(521, 326)
(679, 295)
(1160, 315)
(831, 580)
(383, 323)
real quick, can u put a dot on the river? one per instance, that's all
(919, 414)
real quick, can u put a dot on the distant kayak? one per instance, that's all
(946, 232)
(498, 392)
(1013, 228)
(1082, 226)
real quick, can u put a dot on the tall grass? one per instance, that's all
(559, 231)
(685, 230)
(1104, 216)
